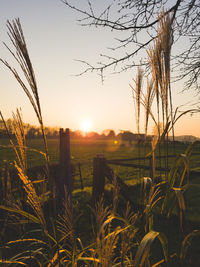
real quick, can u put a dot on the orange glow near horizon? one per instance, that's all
(86, 126)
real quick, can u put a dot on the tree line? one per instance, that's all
(33, 132)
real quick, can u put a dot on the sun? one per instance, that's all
(86, 126)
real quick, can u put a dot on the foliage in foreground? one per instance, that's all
(109, 234)
(39, 231)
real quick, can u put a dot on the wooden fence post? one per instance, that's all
(98, 176)
(65, 179)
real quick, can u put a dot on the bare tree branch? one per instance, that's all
(139, 20)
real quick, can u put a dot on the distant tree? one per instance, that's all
(108, 133)
(128, 136)
(9, 125)
(111, 134)
(137, 21)
(92, 135)
(76, 134)
(3, 132)
(55, 133)
(33, 132)
(2, 129)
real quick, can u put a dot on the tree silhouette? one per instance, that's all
(137, 20)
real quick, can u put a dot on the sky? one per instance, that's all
(55, 42)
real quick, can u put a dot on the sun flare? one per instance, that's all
(86, 126)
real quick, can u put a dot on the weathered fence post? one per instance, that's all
(98, 176)
(65, 179)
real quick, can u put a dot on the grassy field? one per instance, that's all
(83, 152)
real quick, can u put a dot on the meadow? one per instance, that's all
(83, 152)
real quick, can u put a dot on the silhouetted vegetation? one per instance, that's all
(159, 223)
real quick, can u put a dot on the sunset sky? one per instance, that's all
(55, 41)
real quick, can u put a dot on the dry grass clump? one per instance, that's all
(21, 166)
(159, 58)
(32, 197)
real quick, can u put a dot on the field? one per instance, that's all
(84, 151)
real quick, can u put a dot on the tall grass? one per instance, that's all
(29, 86)
(137, 92)
(122, 235)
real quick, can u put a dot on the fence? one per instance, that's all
(101, 170)
(64, 172)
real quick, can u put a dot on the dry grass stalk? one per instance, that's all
(148, 102)
(154, 142)
(159, 58)
(181, 203)
(20, 165)
(19, 159)
(21, 55)
(66, 226)
(136, 92)
(115, 193)
(19, 132)
(32, 197)
(5, 190)
(156, 62)
(106, 239)
(107, 242)
(165, 35)
(153, 198)
(127, 237)
(101, 214)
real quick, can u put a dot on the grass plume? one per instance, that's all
(19, 132)
(22, 57)
(148, 102)
(136, 91)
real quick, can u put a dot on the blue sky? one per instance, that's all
(54, 41)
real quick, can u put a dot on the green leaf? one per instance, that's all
(142, 253)
(187, 243)
(12, 262)
(89, 259)
(165, 131)
(26, 240)
(21, 212)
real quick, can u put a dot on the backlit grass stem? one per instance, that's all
(21, 55)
